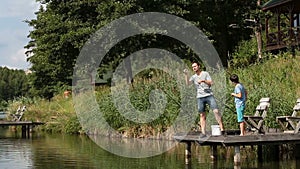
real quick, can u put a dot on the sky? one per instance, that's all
(14, 32)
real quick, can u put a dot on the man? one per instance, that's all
(203, 82)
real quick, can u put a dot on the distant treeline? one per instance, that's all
(13, 83)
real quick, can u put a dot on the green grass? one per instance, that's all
(277, 78)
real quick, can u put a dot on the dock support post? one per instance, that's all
(188, 153)
(23, 131)
(188, 150)
(213, 152)
(237, 156)
(259, 153)
(273, 152)
(28, 131)
(297, 155)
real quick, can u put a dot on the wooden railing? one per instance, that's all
(284, 38)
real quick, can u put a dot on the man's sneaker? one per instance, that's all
(202, 135)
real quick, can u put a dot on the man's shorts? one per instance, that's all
(209, 100)
(240, 113)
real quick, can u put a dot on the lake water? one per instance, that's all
(55, 151)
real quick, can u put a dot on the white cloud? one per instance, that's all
(17, 60)
(14, 31)
(15, 8)
(12, 52)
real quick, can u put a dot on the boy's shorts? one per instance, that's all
(240, 113)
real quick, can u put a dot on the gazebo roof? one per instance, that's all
(274, 3)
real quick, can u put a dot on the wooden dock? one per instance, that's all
(26, 126)
(233, 139)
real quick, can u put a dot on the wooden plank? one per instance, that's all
(282, 121)
(262, 106)
(265, 99)
(282, 117)
(233, 140)
(15, 123)
(292, 118)
(297, 127)
(254, 117)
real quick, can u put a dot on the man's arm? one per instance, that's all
(187, 80)
(207, 80)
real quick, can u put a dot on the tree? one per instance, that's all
(62, 27)
(258, 31)
(60, 30)
(13, 83)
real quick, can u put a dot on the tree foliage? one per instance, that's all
(62, 27)
(13, 83)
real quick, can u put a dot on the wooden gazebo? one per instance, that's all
(283, 24)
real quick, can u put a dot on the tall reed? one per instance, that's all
(277, 78)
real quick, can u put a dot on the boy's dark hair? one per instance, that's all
(234, 78)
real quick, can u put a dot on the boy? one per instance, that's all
(240, 96)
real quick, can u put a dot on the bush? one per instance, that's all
(278, 79)
(72, 125)
(245, 54)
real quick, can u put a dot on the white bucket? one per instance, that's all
(215, 130)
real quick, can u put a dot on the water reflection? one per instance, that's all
(15, 153)
(133, 148)
(43, 151)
